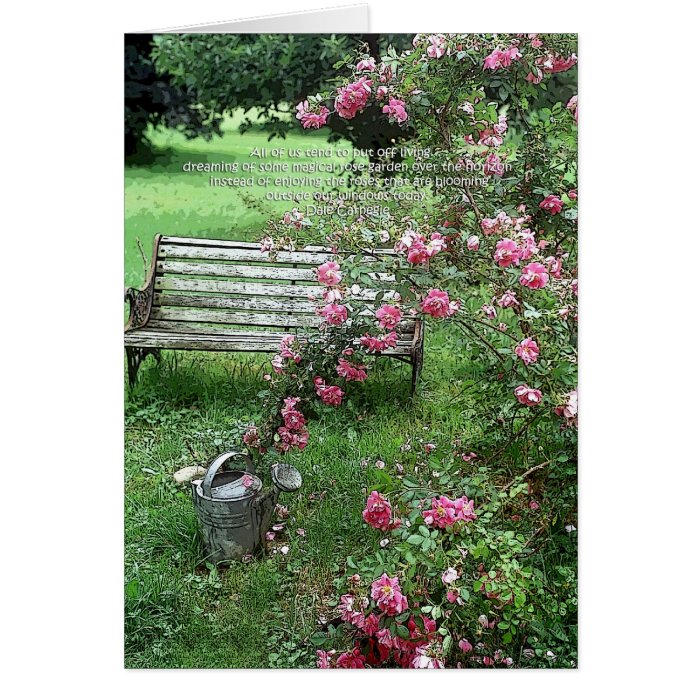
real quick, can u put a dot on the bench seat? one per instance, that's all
(223, 295)
(233, 341)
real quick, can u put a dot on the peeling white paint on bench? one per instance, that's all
(220, 295)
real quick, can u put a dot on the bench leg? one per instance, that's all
(134, 358)
(417, 368)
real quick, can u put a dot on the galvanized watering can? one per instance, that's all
(233, 511)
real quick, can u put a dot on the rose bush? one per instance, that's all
(450, 583)
(495, 256)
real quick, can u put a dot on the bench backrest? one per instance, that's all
(213, 286)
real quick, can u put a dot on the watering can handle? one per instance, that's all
(218, 463)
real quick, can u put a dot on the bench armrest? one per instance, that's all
(140, 301)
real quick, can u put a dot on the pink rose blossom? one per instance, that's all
(535, 78)
(334, 314)
(528, 245)
(332, 295)
(436, 243)
(422, 659)
(499, 58)
(473, 243)
(251, 438)
(551, 204)
(293, 419)
(379, 343)
(384, 637)
(437, 46)
(490, 138)
(347, 607)
(501, 126)
(534, 505)
(310, 119)
(371, 625)
(388, 316)
(366, 65)
(290, 438)
(493, 165)
(377, 513)
(464, 509)
(329, 273)
(352, 98)
(569, 410)
(387, 594)
(555, 266)
(489, 311)
(287, 351)
(528, 396)
(445, 512)
(465, 646)
(396, 109)
(507, 252)
(559, 64)
(507, 300)
(438, 305)
(527, 350)
(351, 659)
(329, 394)
(449, 576)
(490, 226)
(534, 276)
(323, 659)
(350, 371)
(572, 106)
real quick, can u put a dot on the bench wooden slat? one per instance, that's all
(207, 269)
(228, 287)
(199, 329)
(255, 289)
(241, 254)
(229, 302)
(251, 245)
(261, 342)
(237, 318)
(247, 271)
(214, 252)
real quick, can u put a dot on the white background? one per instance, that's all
(62, 372)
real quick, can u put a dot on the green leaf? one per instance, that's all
(402, 631)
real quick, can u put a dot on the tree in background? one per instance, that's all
(151, 98)
(191, 81)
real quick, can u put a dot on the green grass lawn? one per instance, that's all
(161, 198)
(258, 614)
(179, 612)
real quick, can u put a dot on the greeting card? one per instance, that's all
(350, 349)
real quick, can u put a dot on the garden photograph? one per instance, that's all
(351, 351)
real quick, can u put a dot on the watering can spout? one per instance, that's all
(284, 478)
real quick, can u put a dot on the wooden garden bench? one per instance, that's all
(221, 295)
